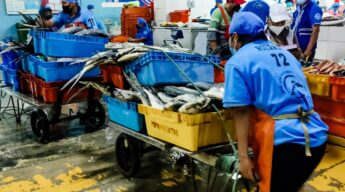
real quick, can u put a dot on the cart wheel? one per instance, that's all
(127, 155)
(94, 118)
(40, 125)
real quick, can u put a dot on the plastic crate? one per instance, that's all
(319, 84)
(338, 88)
(33, 65)
(327, 107)
(11, 60)
(52, 71)
(154, 68)
(24, 60)
(26, 84)
(136, 10)
(179, 16)
(219, 76)
(336, 125)
(114, 74)
(190, 132)
(67, 45)
(10, 77)
(125, 114)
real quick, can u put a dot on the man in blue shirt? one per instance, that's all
(144, 33)
(72, 16)
(269, 78)
(306, 26)
(218, 2)
(259, 7)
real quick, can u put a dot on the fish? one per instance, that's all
(133, 82)
(129, 57)
(127, 95)
(216, 92)
(155, 102)
(175, 91)
(195, 107)
(71, 30)
(92, 32)
(106, 90)
(201, 85)
(173, 105)
(164, 97)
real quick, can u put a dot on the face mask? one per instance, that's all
(236, 8)
(276, 29)
(301, 2)
(66, 9)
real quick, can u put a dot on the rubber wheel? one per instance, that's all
(40, 125)
(94, 118)
(127, 155)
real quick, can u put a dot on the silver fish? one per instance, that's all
(129, 57)
(133, 82)
(173, 105)
(164, 97)
(201, 85)
(103, 89)
(195, 107)
(155, 102)
(129, 96)
(173, 90)
(92, 32)
(72, 30)
(216, 92)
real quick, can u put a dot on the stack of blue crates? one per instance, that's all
(11, 62)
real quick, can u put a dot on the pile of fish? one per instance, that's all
(328, 68)
(84, 32)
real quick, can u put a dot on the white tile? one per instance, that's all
(337, 33)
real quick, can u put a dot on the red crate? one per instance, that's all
(338, 88)
(219, 73)
(26, 85)
(114, 74)
(336, 126)
(329, 108)
(136, 10)
(179, 16)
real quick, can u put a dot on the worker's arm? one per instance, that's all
(242, 119)
(313, 40)
(48, 23)
(141, 40)
(214, 27)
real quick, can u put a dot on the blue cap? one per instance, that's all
(246, 23)
(141, 21)
(70, 1)
(219, 1)
(90, 7)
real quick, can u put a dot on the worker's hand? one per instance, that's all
(246, 168)
(306, 54)
(130, 39)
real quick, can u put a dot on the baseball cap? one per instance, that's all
(238, 2)
(278, 13)
(70, 1)
(246, 23)
(219, 1)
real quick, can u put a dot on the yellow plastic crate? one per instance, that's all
(319, 84)
(187, 131)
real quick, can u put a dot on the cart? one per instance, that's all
(45, 115)
(131, 145)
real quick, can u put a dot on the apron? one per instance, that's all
(261, 139)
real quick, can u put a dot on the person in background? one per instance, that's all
(218, 35)
(100, 24)
(279, 32)
(261, 78)
(259, 7)
(306, 26)
(218, 2)
(144, 33)
(72, 16)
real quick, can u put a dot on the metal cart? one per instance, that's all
(131, 145)
(45, 115)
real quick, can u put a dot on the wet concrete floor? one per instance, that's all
(75, 161)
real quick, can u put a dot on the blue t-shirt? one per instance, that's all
(82, 16)
(304, 18)
(147, 34)
(270, 78)
(259, 7)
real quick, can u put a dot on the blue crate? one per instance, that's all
(154, 68)
(11, 59)
(24, 60)
(52, 71)
(10, 77)
(33, 64)
(125, 114)
(55, 44)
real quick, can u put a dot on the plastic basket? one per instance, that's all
(327, 107)
(219, 76)
(190, 132)
(114, 74)
(154, 68)
(125, 114)
(338, 88)
(336, 125)
(67, 45)
(26, 84)
(11, 60)
(136, 10)
(319, 84)
(10, 77)
(24, 60)
(62, 71)
(179, 16)
(33, 65)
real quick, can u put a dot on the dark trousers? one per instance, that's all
(291, 168)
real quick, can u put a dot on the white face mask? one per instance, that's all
(276, 29)
(301, 2)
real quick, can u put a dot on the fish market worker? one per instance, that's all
(218, 2)
(218, 35)
(144, 33)
(306, 26)
(259, 7)
(279, 32)
(72, 16)
(267, 81)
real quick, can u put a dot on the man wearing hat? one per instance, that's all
(265, 84)
(218, 35)
(259, 7)
(279, 32)
(72, 15)
(218, 2)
